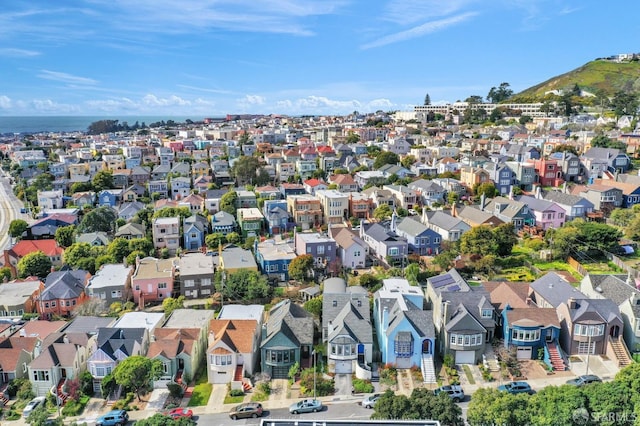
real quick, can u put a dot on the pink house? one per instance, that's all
(547, 213)
(152, 280)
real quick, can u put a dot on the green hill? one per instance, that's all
(596, 76)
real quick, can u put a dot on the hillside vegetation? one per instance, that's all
(597, 77)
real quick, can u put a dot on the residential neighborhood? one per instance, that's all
(368, 252)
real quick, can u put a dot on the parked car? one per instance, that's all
(243, 411)
(585, 379)
(455, 392)
(516, 387)
(370, 401)
(180, 412)
(113, 418)
(306, 406)
(32, 405)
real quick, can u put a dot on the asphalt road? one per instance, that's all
(350, 410)
(9, 210)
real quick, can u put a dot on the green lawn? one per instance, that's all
(201, 391)
(233, 399)
(521, 273)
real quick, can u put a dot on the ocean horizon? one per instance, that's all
(58, 124)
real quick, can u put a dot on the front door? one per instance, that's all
(615, 331)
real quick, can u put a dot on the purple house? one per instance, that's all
(547, 213)
(321, 247)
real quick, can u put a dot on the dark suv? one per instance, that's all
(113, 418)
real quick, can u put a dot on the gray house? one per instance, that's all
(110, 283)
(574, 206)
(287, 338)
(195, 275)
(346, 328)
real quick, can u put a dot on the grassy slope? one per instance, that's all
(595, 75)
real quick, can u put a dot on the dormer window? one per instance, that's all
(487, 313)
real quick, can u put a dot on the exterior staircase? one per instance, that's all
(60, 391)
(556, 359)
(237, 377)
(428, 370)
(179, 381)
(620, 351)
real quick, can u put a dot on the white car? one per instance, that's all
(32, 406)
(370, 401)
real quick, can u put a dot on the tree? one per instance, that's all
(65, 235)
(474, 99)
(213, 241)
(453, 197)
(505, 238)
(101, 219)
(385, 157)
(245, 285)
(300, 267)
(233, 238)
(102, 180)
(382, 212)
(411, 273)
(17, 228)
(427, 99)
(479, 240)
(137, 372)
(76, 253)
(170, 304)
(160, 419)
(622, 217)
(369, 281)
(314, 306)
(499, 94)
(352, 137)
(5, 274)
(245, 169)
(143, 245)
(119, 249)
(35, 264)
(524, 119)
(228, 202)
(625, 103)
(38, 416)
(487, 188)
(408, 161)
(182, 212)
(492, 407)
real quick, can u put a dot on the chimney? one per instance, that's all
(630, 280)
(634, 298)
(572, 303)
(539, 192)
(483, 200)
(454, 211)
(564, 188)
(445, 312)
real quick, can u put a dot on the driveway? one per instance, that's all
(343, 384)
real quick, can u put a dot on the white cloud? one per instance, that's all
(322, 102)
(410, 11)
(420, 30)
(5, 102)
(254, 99)
(48, 106)
(173, 100)
(65, 77)
(380, 103)
(9, 51)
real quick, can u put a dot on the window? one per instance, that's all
(525, 335)
(137, 288)
(588, 330)
(466, 339)
(41, 376)
(162, 285)
(393, 251)
(285, 267)
(205, 281)
(320, 250)
(273, 268)
(53, 304)
(221, 359)
(487, 313)
(116, 293)
(188, 283)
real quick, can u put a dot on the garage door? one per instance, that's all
(279, 372)
(343, 367)
(465, 357)
(524, 352)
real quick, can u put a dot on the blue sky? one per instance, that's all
(213, 57)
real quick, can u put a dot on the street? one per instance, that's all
(351, 410)
(9, 210)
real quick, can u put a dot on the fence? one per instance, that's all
(577, 266)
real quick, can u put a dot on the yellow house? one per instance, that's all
(470, 176)
(234, 259)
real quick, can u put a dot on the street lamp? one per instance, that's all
(313, 353)
(590, 333)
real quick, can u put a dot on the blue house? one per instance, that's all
(277, 217)
(534, 332)
(273, 258)
(421, 239)
(405, 331)
(194, 229)
(501, 175)
(130, 163)
(110, 197)
(223, 223)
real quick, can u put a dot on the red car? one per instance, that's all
(178, 413)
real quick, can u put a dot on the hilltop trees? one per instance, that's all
(499, 94)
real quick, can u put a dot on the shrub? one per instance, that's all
(25, 391)
(236, 392)
(175, 390)
(86, 383)
(265, 387)
(362, 386)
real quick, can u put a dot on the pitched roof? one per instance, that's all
(236, 334)
(503, 293)
(64, 284)
(534, 317)
(555, 290)
(48, 247)
(292, 321)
